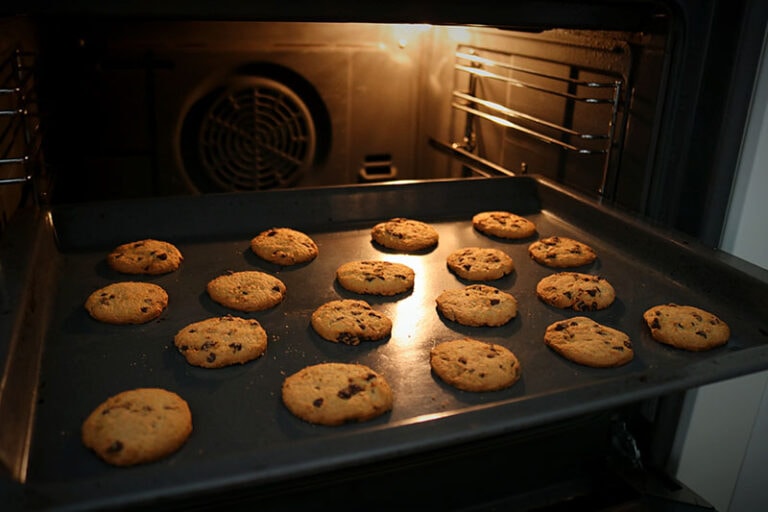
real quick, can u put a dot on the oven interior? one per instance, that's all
(603, 98)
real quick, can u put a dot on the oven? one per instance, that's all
(619, 123)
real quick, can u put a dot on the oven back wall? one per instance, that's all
(167, 108)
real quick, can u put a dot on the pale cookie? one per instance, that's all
(138, 426)
(584, 341)
(375, 277)
(559, 251)
(127, 302)
(580, 292)
(503, 224)
(221, 341)
(337, 393)
(350, 321)
(149, 256)
(284, 246)
(248, 290)
(478, 305)
(473, 365)
(686, 327)
(404, 235)
(480, 263)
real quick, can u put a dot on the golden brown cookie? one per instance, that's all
(284, 246)
(477, 305)
(350, 321)
(686, 327)
(138, 426)
(503, 224)
(148, 256)
(473, 365)
(480, 263)
(580, 292)
(221, 341)
(559, 251)
(127, 302)
(337, 393)
(405, 235)
(584, 341)
(375, 277)
(249, 290)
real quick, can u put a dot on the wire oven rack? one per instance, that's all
(493, 77)
(19, 120)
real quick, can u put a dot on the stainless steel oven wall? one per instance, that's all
(180, 107)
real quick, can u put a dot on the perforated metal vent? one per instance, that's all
(253, 136)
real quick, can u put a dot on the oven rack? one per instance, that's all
(20, 137)
(475, 103)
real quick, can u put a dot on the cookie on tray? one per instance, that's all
(284, 246)
(221, 341)
(127, 302)
(575, 290)
(350, 321)
(560, 251)
(407, 235)
(480, 263)
(586, 342)
(503, 224)
(477, 305)
(686, 327)
(473, 365)
(375, 277)
(152, 257)
(337, 393)
(138, 426)
(248, 290)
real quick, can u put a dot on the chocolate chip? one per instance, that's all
(318, 402)
(115, 447)
(211, 357)
(349, 391)
(655, 324)
(702, 334)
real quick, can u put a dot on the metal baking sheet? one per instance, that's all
(243, 435)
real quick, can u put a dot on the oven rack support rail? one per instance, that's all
(473, 62)
(20, 137)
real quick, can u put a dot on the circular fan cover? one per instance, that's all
(258, 135)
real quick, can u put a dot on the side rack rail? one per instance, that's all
(20, 141)
(537, 97)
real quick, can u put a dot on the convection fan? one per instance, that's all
(254, 134)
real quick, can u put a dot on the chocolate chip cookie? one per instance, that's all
(284, 246)
(477, 305)
(560, 251)
(138, 426)
(406, 235)
(580, 292)
(221, 341)
(248, 290)
(375, 277)
(127, 302)
(350, 321)
(152, 257)
(480, 263)
(586, 342)
(503, 224)
(337, 393)
(686, 327)
(473, 365)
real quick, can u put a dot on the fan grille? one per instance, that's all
(256, 137)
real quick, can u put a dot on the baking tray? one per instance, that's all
(243, 436)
